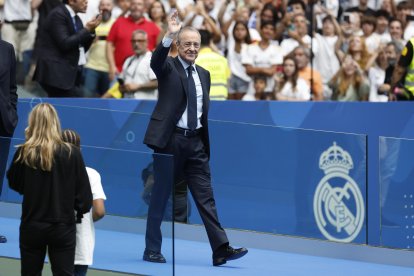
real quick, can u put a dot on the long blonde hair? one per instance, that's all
(43, 136)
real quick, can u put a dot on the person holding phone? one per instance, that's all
(136, 80)
(63, 44)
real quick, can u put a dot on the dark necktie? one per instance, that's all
(192, 100)
(75, 23)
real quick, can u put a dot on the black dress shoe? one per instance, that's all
(154, 257)
(228, 253)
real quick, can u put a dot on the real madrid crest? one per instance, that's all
(338, 204)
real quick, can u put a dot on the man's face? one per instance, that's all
(106, 5)
(78, 5)
(390, 52)
(300, 24)
(188, 45)
(137, 9)
(301, 58)
(139, 44)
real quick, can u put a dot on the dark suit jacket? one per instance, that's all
(8, 89)
(172, 99)
(58, 55)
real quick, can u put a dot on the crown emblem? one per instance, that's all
(335, 159)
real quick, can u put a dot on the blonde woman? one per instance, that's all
(349, 83)
(51, 176)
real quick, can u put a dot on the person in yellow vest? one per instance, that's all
(97, 67)
(402, 82)
(217, 65)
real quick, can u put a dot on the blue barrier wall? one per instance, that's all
(100, 127)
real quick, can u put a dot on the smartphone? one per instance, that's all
(409, 18)
(289, 9)
(347, 18)
(121, 81)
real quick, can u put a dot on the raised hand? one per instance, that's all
(174, 24)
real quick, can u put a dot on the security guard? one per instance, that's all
(402, 82)
(217, 65)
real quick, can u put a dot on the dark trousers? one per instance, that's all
(80, 270)
(191, 164)
(75, 91)
(58, 239)
(4, 153)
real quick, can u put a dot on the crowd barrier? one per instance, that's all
(321, 170)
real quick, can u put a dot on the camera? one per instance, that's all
(289, 9)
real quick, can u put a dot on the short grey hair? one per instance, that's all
(305, 50)
(139, 32)
(186, 29)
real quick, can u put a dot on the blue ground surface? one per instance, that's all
(121, 251)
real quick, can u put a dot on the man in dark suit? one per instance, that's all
(62, 46)
(179, 127)
(8, 105)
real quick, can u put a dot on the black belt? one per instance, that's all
(187, 132)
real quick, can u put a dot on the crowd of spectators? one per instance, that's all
(290, 50)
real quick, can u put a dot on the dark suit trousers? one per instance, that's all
(4, 153)
(191, 164)
(74, 92)
(58, 239)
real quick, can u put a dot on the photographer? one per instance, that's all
(137, 79)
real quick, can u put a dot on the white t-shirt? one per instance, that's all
(376, 77)
(302, 90)
(138, 70)
(15, 10)
(258, 57)
(85, 231)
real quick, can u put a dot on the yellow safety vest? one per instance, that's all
(219, 72)
(409, 76)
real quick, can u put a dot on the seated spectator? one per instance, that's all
(349, 83)
(137, 79)
(85, 231)
(259, 84)
(290, 86)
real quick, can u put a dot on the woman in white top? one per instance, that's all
(239, 80)
(290, 86)
(376, 75)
